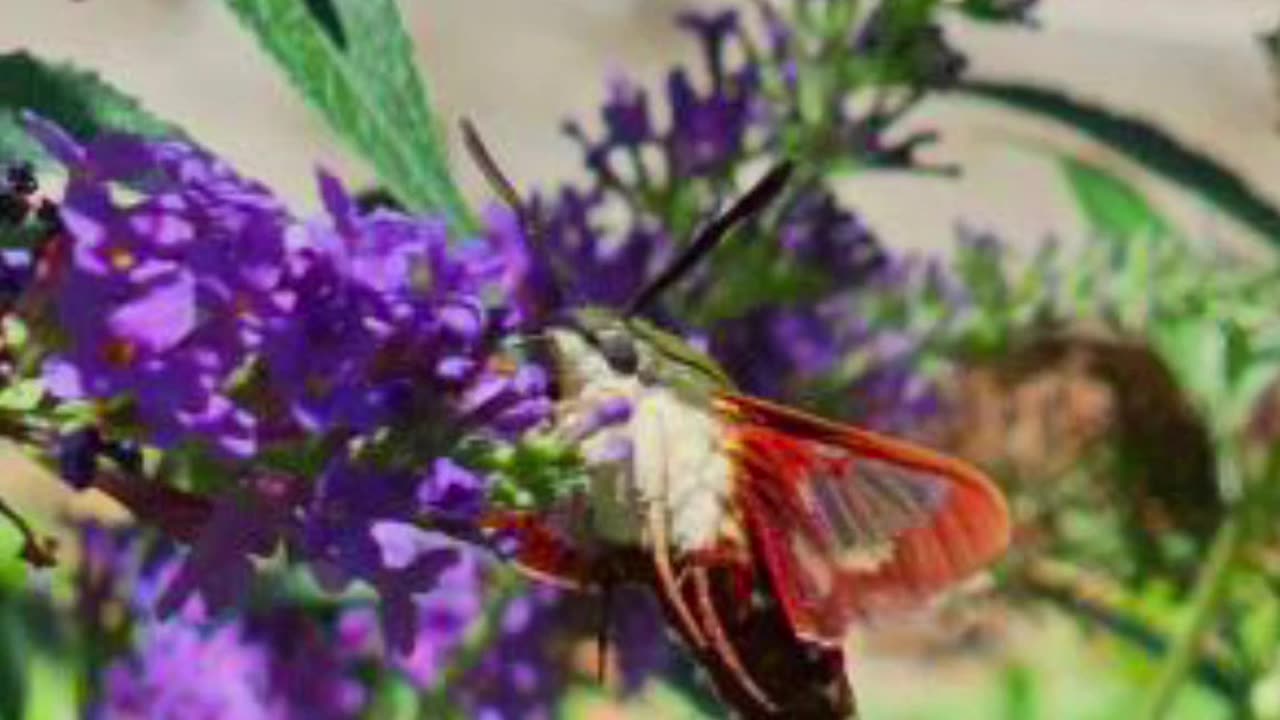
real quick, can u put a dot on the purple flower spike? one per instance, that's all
(706, 131)
(712, 29)
(626, 114)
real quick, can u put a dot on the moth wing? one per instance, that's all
(852, 523)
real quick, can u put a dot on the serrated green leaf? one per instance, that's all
(80, 101)
(369, 93)
(381, 51)
(1113, 207)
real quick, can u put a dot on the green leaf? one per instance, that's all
(80, 101)
(370, 92)
(1248, 390)
(1196, 350)
(395, 699)
(22, 396)
(1112, 207)
(51, 689)
(1145, 144)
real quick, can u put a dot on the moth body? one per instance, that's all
(668, 453)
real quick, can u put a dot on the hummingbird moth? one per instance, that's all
(766, 532)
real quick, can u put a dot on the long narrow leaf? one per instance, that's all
(1111, 206)
(1144, 143)
(364, 91)
(78, 100)
(381, 53)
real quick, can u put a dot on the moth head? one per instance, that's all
(611, 337)
(593, 345)
(599, 344)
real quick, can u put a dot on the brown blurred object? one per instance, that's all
(1040, 410)
(1035, 415)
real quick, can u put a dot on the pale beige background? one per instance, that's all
(520, 66)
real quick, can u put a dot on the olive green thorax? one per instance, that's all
(657, 357)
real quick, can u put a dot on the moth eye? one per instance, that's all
(620, 352)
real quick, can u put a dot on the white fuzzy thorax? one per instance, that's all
(671, 451)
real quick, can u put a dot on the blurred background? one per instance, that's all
(521, 68)
(1197, 70)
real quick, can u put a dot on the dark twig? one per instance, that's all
(36, 551)
(760, 195)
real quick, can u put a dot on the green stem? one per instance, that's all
(1094, 600)
(1210, 590)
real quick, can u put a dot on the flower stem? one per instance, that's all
(38, 552)
(1210, 590)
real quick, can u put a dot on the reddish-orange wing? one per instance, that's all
(851, 522)
(553, 546)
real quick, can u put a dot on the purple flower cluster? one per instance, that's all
(444, 617)
(520, 674)
(278, 664)
(525, 666)
(356, 523)
(783, 98)
(337, 366)
(360, 525)
(184, 672)
(156, 300)
(706, 131)
(389, 319)
(179, 300)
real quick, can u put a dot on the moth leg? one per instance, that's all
(667, 584)
(720, 640)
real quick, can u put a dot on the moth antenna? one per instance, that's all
(530, 223)
(710, 236)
